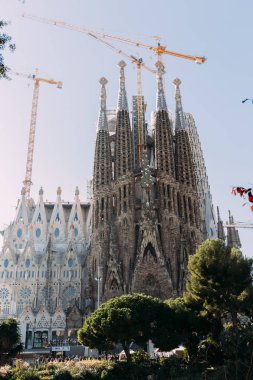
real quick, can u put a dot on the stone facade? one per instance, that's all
(60, 260)
(41, 267)
(146, 214)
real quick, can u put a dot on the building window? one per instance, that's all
(38, 232)
(19, 233)
(40, 339)
(70, 262)
(57, 232)
(27, 263)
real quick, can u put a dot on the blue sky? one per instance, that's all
(66, 126)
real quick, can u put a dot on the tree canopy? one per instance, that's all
(10, 339)
(5, 42)
(220, 280)
(130, 318)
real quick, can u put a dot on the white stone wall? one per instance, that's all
(41, 260)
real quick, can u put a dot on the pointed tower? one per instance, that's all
(102, 194)
(21, 222)
(233, 239)
(220, 229)
(57, 221)
(102, 173)
(163, 130)
(39, 221)
(188, 205)
(183, 155)
(123, 141)
(75, 222)
(123, 189)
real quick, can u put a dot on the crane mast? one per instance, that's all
(29, 160)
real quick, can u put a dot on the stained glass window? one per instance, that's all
(19, 233)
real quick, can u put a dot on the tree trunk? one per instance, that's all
(127, 351)
(235, 329)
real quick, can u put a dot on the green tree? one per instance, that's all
(130, 318)
(220, 281)
(189, 325)
(5, 42)
(220, 287)
(10, 339)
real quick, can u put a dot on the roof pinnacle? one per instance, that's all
(41, 192)
(180, 120)
(122, 99)
(102, 118)
(59, 191)
(160, 96)
(77, 191)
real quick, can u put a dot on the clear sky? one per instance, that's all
(66, 126)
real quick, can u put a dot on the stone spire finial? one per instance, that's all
(160, 96)
(122, 99)
(180, 120)
(177, 83)
(59, 191)
(77, 192)
(102, 118)
(41, 192)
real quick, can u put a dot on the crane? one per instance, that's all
(159, 49)
(29, 160)
(102, 37)
(238, 225)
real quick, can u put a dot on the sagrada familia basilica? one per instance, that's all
(150, 208)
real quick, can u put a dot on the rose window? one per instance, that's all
(4, 293)
(25, 292)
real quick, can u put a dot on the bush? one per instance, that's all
(25, 374)
(62, 375)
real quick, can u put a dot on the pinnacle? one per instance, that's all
(122, 64)
(102, 118)
(160, 96)
(177, 82)
(122, 99)
(103, 81)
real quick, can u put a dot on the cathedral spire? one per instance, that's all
(102, 163)
(122, 99)
(220, 228)
(179, 119)
(102, 118)
(233, 239)
(160, 96)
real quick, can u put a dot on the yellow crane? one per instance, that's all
(238, 225)
(29, 160)
(159, 49)
(102, 37)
